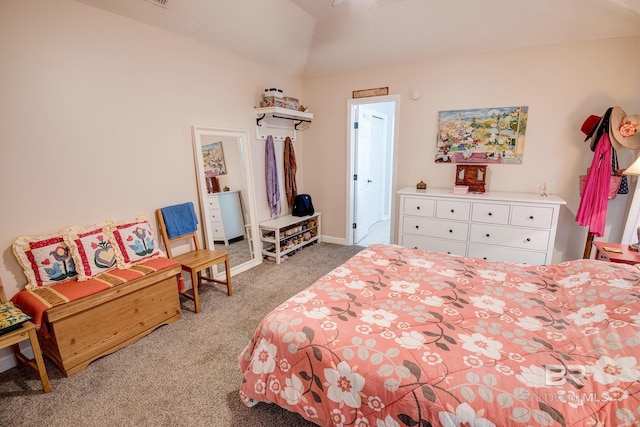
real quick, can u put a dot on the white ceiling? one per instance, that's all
(309, 38)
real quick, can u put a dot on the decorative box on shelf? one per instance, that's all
(473, 176)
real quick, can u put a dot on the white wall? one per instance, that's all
(96, 113)
(562, 85)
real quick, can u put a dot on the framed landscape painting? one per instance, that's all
(213, 158)
(483, 135)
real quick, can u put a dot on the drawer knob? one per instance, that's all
(531, 217)
(415, 247)
(484, 257)
(449, 253)
(528, 239)
(418, 207)
(450, 231)
(488, 235)
(453, 210)
(490, 214)
(417, 226)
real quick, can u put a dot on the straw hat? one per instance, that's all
(624, 130)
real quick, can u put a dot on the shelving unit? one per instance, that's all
(287, 234)
(280, 122)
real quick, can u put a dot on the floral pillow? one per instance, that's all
(45, 260)
(11, 317)
(91, 250)
(134, 242)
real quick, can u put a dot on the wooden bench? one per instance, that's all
(75, 333)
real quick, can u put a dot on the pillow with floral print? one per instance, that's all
(45, 260)
(134, 242)
(11, 317)
(91, 250)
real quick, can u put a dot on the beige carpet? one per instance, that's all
(184, 374)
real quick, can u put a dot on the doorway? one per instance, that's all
(372, 142)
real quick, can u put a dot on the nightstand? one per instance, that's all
(26, 332)
(626, 256)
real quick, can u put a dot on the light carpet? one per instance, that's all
(183, 374)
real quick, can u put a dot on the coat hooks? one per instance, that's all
(280, 122)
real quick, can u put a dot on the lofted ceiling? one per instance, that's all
(308, 38)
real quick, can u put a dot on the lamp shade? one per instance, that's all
(634, 169)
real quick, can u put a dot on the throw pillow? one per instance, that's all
(134, 242)
(11, 317)
(45, 260)
(91, 250)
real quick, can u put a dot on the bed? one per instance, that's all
(405, 337)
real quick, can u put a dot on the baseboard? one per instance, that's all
(7, 361)
(337, 240)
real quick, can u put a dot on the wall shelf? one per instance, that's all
(280, 122)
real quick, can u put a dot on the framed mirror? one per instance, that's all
(227, 199)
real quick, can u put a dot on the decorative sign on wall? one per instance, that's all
(484, 135)
(365, 93)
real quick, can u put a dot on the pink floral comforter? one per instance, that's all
(404, 337)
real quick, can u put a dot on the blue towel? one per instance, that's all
(180, 219)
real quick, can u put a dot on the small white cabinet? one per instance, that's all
(512, 227)
(225, 216)
(287, 234)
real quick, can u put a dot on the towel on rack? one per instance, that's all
(180, 219)
(271, 171)
(291, 190)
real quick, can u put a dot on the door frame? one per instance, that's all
(350, 166)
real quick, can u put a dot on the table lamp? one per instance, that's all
(634, 169)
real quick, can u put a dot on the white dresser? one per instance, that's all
(513, 227)
(225, 216)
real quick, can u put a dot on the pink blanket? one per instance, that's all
(404, 337)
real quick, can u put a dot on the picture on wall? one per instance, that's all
(483, 135)
(213, 158)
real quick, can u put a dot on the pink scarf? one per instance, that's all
(592, 210)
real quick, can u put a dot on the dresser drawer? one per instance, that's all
(419, 207)
(213, 202)
(434, 244)
(450, 209)
(531, 216)
(490, 213)
(515, 237)
(217, 230)
(434, 228)
(499, 253)
(215, 215)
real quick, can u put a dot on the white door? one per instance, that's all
(375, 186)
(362, 173)
(372, 169)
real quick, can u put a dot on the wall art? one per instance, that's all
(213, 158)
(483, 135)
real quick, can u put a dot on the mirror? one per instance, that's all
(227, 200)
